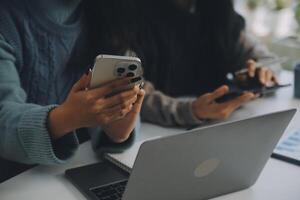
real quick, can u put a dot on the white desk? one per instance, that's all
(278, 181)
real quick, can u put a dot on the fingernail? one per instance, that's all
(88, 71)
(270, 84)
(257, 95)
(134, 80)
(142, 85)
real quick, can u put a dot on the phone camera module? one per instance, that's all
(130, 74)
(132, 67)
(120, 70)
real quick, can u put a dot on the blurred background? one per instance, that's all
(276, 23)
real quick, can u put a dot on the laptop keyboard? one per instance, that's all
(110, 192)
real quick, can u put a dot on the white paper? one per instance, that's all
(289, 145)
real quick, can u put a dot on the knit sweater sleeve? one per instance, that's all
(24, 136)
(164, 110)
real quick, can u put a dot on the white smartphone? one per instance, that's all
(108, 68)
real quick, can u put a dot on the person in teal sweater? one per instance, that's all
(45, 54)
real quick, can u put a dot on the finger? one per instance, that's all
(269, 76)
(108, 88)
(223, 114)
(122, 108)
(219, 111)
(223, 111)
(221, 91)
(262, 75)
(138, 104)
(239, 101)
(83, 82)
(275, 80)
(118, 98)
(251, 66)
(107, 118)
(119, 114)
(122, 111)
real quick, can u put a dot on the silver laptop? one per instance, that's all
(199, 164)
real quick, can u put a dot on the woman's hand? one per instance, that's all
(265, 75)
(205, 107)
(88, 108)
(120, 130)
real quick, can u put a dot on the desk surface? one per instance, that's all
(278, 181)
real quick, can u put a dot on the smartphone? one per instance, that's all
(229, 96)
(263, 91)
(108, 68)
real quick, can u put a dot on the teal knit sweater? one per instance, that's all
(39, 40)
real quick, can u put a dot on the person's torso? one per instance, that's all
(186, 67)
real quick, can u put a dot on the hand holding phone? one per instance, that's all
(261, 91)
(256, 74)
(90, 108)
(255, 78)
(206, 107)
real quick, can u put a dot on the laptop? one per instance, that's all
(198, 164)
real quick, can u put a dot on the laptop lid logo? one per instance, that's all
(206, 168)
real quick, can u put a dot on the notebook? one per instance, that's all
(288, 148)
(126, 159)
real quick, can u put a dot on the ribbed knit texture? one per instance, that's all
(34, 136)
(44, 51)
